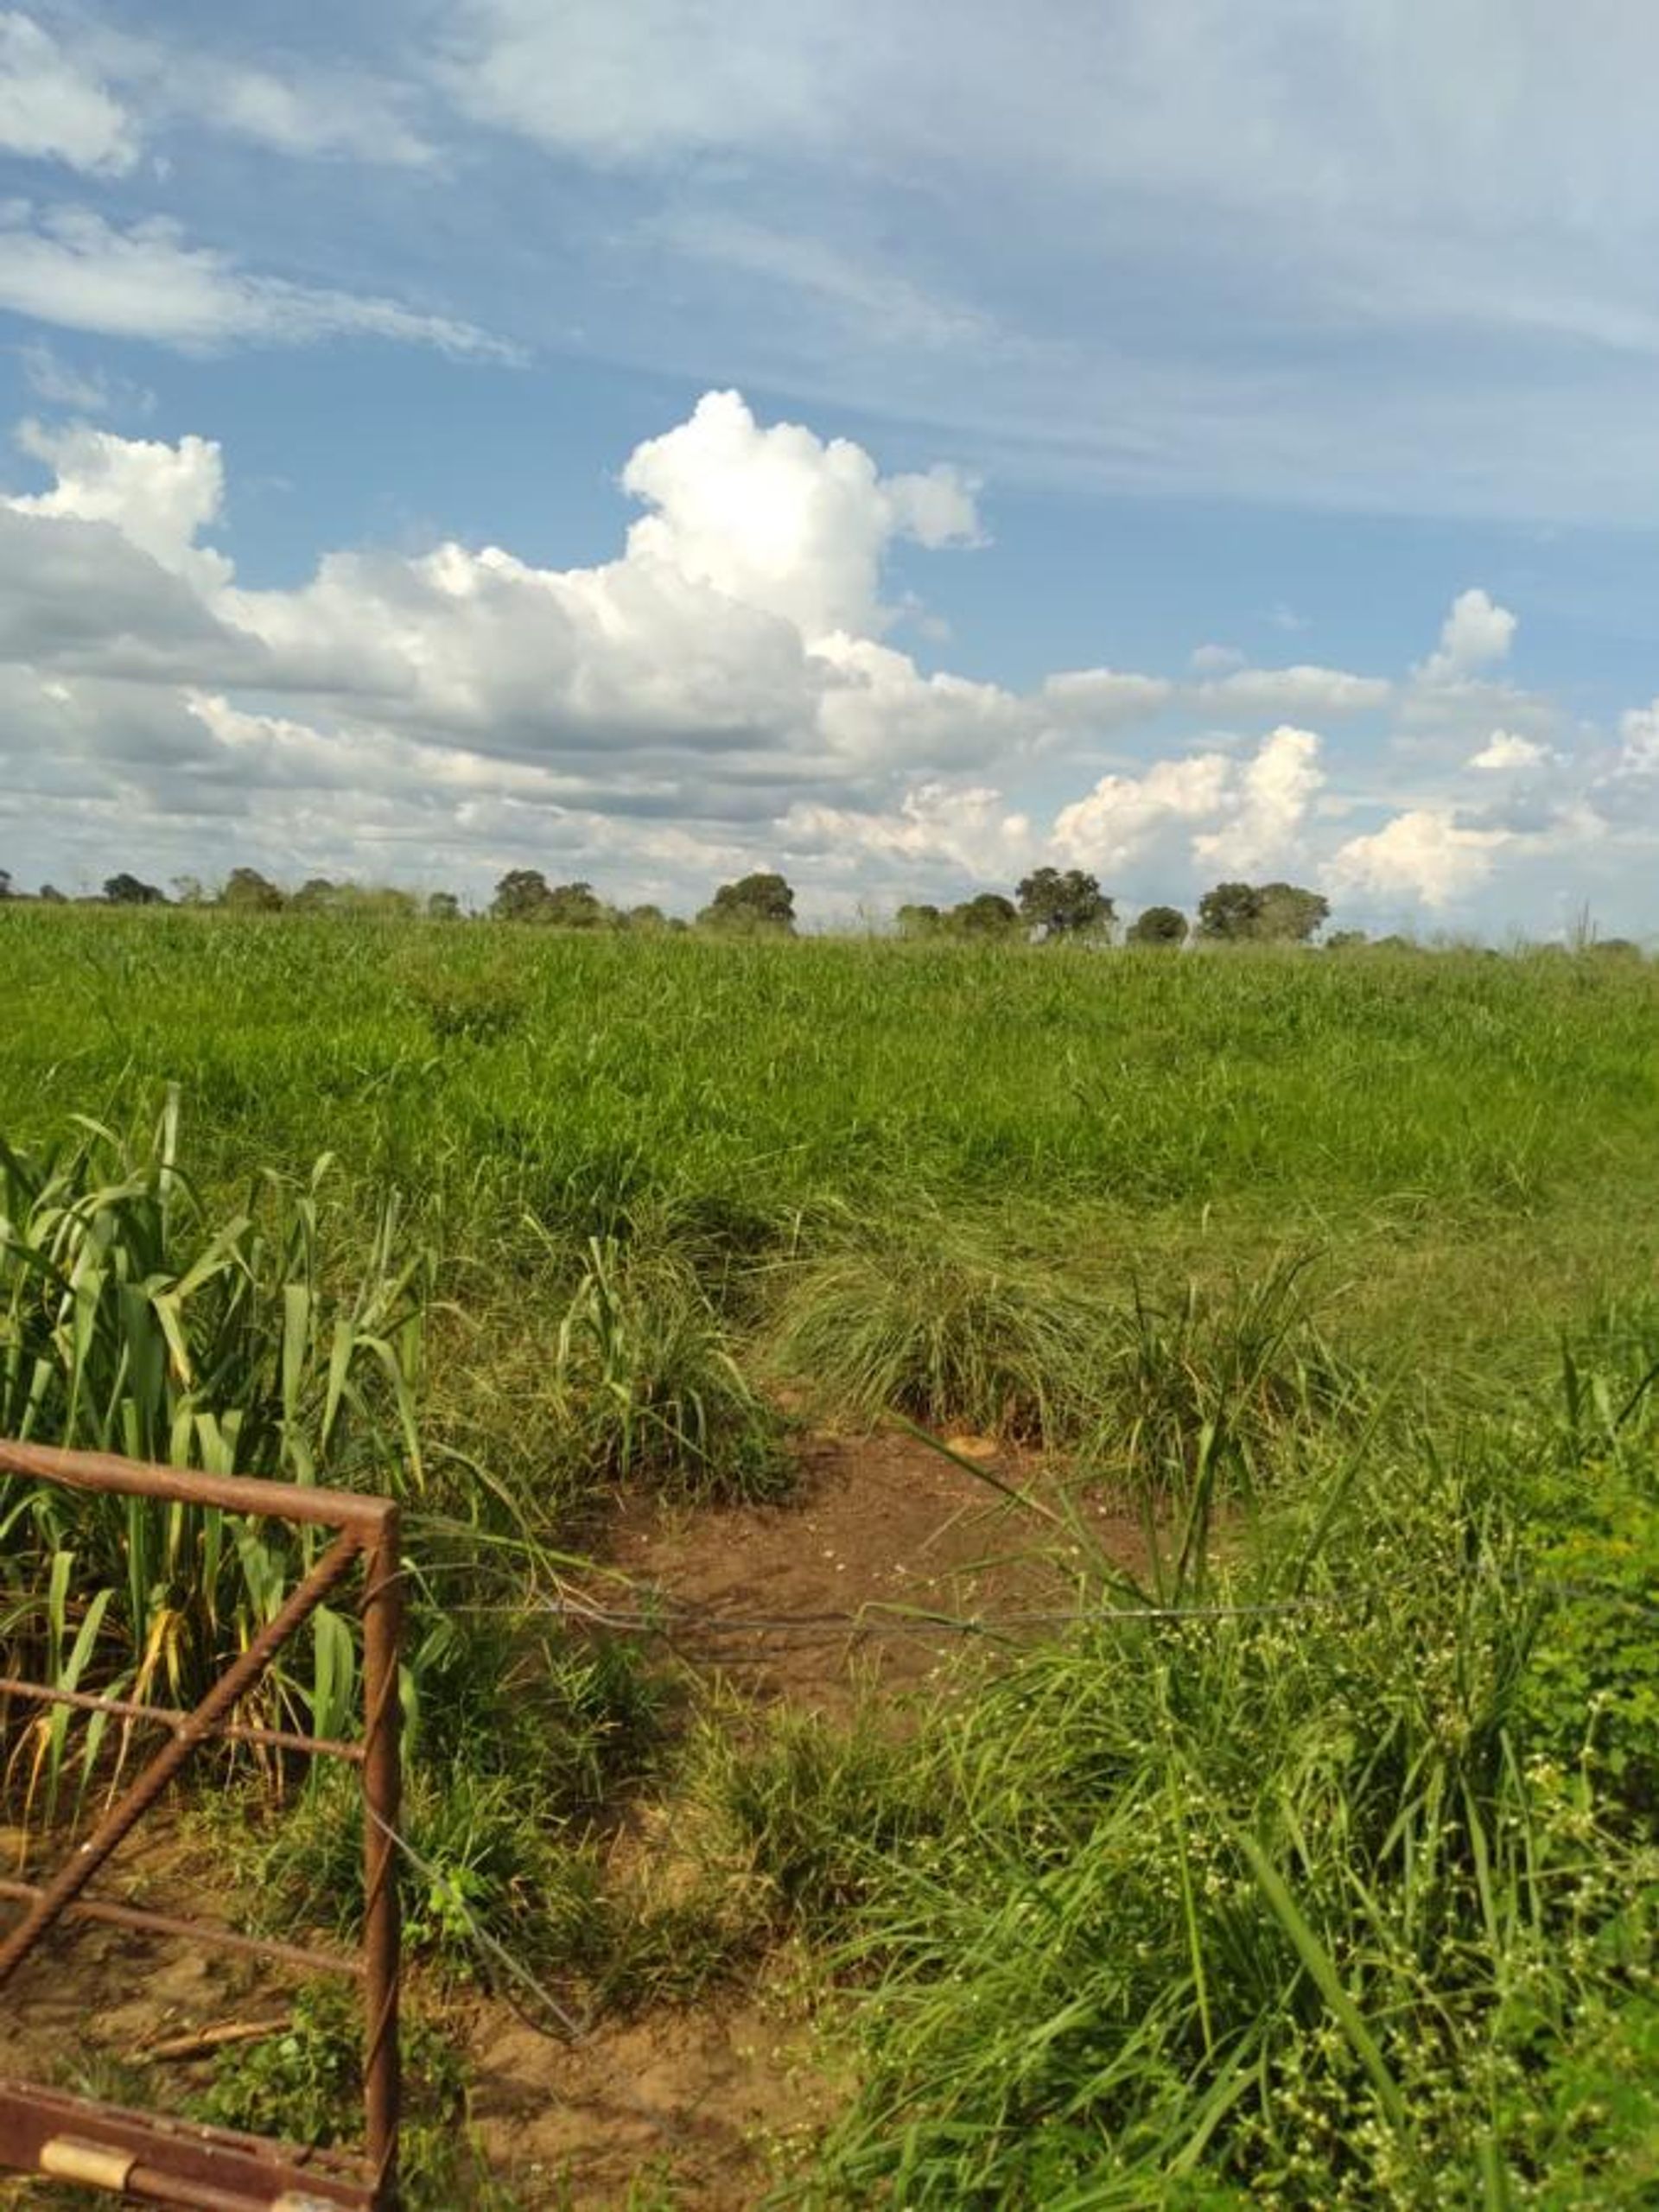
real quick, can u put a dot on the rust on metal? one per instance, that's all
(235, 1732)
(163, 2160)
(173, 2162)
(101, 1470)
(383, 1613)
(145, 1922)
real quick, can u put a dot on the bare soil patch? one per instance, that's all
(882, 1529)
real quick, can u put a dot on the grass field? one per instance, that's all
(1342, 1266)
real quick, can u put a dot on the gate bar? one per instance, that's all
(369, 1527)
(233, 1732)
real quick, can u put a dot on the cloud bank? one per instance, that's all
(729, 691)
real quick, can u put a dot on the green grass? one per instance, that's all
(1347, 1905)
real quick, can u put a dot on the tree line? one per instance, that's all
(1057, 904)
(1050, 905)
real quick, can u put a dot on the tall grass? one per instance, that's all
(132, 1321)
(1335, 1886)
(497, 1071)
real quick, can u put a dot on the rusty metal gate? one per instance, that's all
(148, 2156)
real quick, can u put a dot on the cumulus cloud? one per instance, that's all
(53, 108)
(1089, 701)
(71, 267)
(1639, 741)
(159, 496)
(1505, 750)
(1423, 855)
(778, 519)
(1275, 792)
(965, 833)
(1477, 634)
(1239, 816)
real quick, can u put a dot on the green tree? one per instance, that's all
(1159, 926)
(316, 896)
(989, 915)
(521, 896)
(921, 920)
(1288, 914)
(127, 890)
(1229, 912)
(759, 902)
(1261, 913)
(247, 892)
(648, 918)
(1069, 905)
(1346, 941)
(442, 906)
(576, 906)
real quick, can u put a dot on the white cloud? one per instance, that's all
(876, 706)
(969, 834)
(855, 289)
(69, 266)
(1238, 815)
(778, 519)
(159, 496)
(1505, 750)
(305, 113)
(647, 82)
(717, 695)
(1214, 660)
(1422, 855)
(51, 109)
(1124, 815)
(1639, 741)
(1275, 792)
(1303, 690)
(1476, 634)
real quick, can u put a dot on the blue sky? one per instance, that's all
(653, 439)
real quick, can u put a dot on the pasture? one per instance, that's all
(1289, 1321)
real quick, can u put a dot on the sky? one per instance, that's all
(649, 440)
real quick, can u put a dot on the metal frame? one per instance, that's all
(146, 2155)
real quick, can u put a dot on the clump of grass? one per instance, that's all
(482, 1855)
(948, 1328)
(645, 1387)
(1228, 1378)
(941, 1322)
(804, 1815)
(477, 1000)
(516, 1738)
